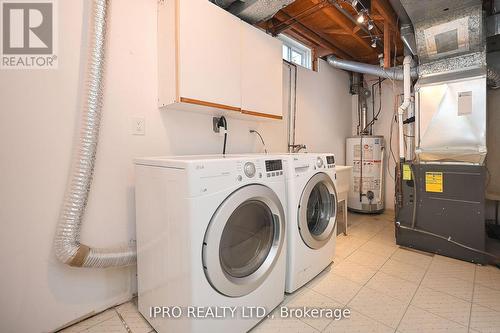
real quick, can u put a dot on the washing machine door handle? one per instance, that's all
(278, 229)
(333, 197)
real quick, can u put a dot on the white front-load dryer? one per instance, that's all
(211, 241)
(311, 216)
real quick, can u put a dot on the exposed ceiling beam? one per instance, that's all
(337, 31)
(386, 11)
(287, 24)
(339, 18)
(282, 16)
(387, 44)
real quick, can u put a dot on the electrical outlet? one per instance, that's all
(138, 126)
(215, 123)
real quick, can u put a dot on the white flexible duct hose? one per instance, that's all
(406, 103)
(67, 246)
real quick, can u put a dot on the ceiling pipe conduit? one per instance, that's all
(67, 246)
(393, 73)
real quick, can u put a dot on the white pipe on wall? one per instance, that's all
(406, 103)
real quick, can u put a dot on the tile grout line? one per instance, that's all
(362, 285)
(472, 299)
(416, 290)
(123, 321)
(432, 313)
(86, 319)
(365, 284)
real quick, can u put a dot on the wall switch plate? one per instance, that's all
(138, 126)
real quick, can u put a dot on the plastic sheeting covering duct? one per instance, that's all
(67, 246)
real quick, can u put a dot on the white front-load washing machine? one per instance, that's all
(311, 216)
(211, 241)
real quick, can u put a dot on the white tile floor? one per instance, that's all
(387, 289)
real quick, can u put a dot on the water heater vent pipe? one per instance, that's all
(406, 103)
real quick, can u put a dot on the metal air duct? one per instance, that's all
(393, 73)
(253, 11)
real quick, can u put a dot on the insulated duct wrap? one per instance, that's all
(450, 95)
(253, 11)
(67, 246)
(494, 78)
(449, 35)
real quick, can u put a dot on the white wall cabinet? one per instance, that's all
(261, 72)
(211, 61)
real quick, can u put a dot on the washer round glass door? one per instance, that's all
(243, 240)
(317, 215)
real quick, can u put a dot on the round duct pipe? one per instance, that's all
(392, 73)
(67, 246)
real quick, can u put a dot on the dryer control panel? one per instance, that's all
(274, 168)
(330, 161)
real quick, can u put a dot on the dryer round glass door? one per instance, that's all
(244, 240)
(317, 214)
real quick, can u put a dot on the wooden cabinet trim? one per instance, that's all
(259, 114)
(209, 104)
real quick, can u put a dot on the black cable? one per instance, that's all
(375, 117)
(223, 123)
(496, 212)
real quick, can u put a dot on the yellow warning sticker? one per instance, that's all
(434, 182)
(406, 172)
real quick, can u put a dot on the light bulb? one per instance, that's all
(361, 17)
(370, 25)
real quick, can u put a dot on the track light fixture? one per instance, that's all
(354, 3)
(361, 17)
(374, 42)
(370, 25)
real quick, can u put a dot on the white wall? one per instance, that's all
(323, 112)
(38, 119)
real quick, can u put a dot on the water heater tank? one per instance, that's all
(366, 155)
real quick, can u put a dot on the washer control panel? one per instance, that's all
(330, 161)
(249, 169)
(274, 168)
(319, 162)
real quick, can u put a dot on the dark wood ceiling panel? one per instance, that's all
(328, 27)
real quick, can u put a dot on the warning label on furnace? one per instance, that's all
(406, 172)
(434, 182)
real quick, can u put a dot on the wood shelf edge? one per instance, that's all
(209, 104)
(259, 114)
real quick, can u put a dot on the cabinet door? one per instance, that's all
(261, 73)
(209, 54)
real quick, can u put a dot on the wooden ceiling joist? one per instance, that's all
(287, 24)
(345, 24)
(330, 27)
(282, 16)
(385, 10)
